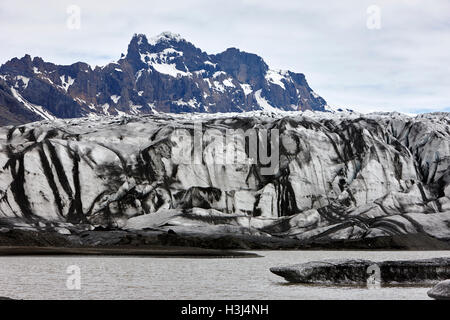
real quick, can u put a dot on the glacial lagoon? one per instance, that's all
(120, 277)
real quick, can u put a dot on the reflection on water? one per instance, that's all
(189, 278)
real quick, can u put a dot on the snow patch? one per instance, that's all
(115, 98)
(81, 101)
(218, 86)
(25, 81)
(152, 107)
(105, 108)
(315, 95)
(172, 51)
(211, 64)
(228, 83)
(199, 72)
(218, 73)
(191, 103)
(169, 69)
(275, 77)
(161, 62)
(66, 83)
(262, 102)
(165, 36)
(247, 88)
(138, 74)
(32, 107)
(135, 108)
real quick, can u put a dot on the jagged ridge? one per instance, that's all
(163, 74)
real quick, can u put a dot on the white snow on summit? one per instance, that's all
(165, 36)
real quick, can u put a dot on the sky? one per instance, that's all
(376, 55)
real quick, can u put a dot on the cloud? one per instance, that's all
(403, 66)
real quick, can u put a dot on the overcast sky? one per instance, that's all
(404, 65)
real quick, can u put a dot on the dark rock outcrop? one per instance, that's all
(12, 111)
(441, 291)
(358, 271)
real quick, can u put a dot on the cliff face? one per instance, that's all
(162, 74)
(327, 176)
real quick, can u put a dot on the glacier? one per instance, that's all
(339, 175)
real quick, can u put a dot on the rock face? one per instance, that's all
(12, 111)
(330, 176)
(162, 74)
(441, 291)
(358, 272)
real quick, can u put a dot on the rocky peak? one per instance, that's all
(134, 48)
(246, 67)
(167, 51)
(23, 65)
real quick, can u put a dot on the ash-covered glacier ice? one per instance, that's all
(337, 175)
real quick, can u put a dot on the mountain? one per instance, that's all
(338, 176)
(162, 74)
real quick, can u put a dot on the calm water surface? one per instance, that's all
(189, 278)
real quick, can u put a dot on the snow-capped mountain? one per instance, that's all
(162, 74)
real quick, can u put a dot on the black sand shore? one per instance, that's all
(123, 251)
(162, 243)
